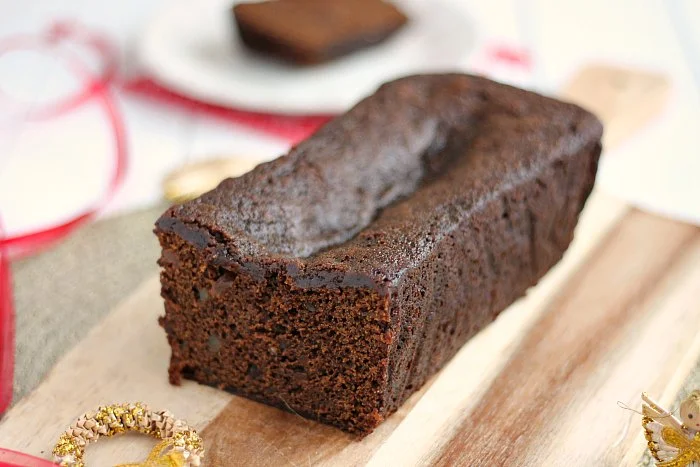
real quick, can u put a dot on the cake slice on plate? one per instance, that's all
(313, 31)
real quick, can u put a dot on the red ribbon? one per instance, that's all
(7, 337)
(287, 127)
(96, 87)
(9, 458)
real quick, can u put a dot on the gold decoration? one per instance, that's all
(688, 449)
(192, 180)
(673, 442)
(181, 446)
(161, 456)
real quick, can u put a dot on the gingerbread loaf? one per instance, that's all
(335, 280)
(308, 32)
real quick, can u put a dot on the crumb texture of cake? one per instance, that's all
(335, 280)
(308, 32)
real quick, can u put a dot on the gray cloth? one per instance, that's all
(60, 294)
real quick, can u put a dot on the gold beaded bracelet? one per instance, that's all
(181, 446)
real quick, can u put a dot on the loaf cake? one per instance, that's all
(314, 31)
(335, 280)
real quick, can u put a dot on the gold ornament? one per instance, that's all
(181, 446)
(192, 180)
(673, 442)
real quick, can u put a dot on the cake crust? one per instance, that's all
(336, 279)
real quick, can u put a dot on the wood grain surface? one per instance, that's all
(576, 348)
(539, 386)
(617, 316)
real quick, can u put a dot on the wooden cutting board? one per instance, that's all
(540, 386)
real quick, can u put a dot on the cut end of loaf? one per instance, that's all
(270, 341)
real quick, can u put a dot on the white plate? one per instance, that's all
(193, 48)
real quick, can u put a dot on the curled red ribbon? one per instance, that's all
(95, 87)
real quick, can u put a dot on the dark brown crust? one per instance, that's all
(376, 248)
(314, 31)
